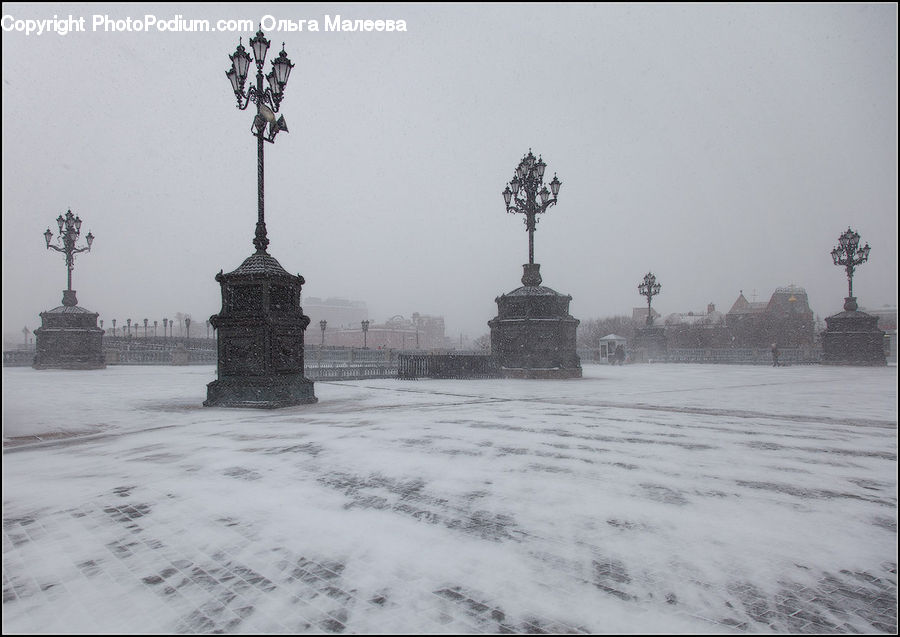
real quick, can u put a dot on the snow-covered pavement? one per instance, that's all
(643, 498)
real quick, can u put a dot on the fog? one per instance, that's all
(722, 147)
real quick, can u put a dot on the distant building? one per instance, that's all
(697, 329)
(639, 315)
(419, 332)
(785, 319)
(340, 313)
(710, 317)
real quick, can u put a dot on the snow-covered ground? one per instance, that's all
(643, 498)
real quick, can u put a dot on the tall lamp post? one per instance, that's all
(849, 255)
(649, 288)
(526, 193)
(155, 325)
(145, 327)
(323, 324)
(114, 326)
(365, 329)
(165, 328)
(187, 327)
(67, 338)
(852, 337)
(129, 328)
(260, 299)
(69, 233)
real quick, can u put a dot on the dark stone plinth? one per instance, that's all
(649, 343)
(852, 338)
(533, 334)
(68, 338)
(259, 334)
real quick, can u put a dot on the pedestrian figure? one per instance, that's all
(774, 355)
(620, 354)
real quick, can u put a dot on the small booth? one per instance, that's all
(608, 345)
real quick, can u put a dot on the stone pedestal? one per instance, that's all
(68, 337)
(260, 338)
(649, 343)
(533, 335)
(852, 338)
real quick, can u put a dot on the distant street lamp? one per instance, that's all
(114, 327)
(187, 327)
(25, 333)
(365, 329)
(69, 232)
(145, 328)
(155, 324)
(165, 328)
(525, 189)
(649, 288)
(129, 328)
(322, 324)
(849, 255)
(267, 102)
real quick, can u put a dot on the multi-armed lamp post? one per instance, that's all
(69, 339)
(365, 330)
(852, 337)
(521, 346)
(260, 326)
(69, 232)
(649, 288)
(267, 101)
(526, 193)
(848, 255)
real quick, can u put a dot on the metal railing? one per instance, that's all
(455, 365)
(740, 356)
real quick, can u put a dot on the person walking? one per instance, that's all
(775, 355)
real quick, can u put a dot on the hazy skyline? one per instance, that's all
(723, 147)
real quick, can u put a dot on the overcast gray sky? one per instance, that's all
(724, 147)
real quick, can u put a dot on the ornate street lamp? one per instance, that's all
(165, 328)
(649, 288)
(268, 101)
(69, 232)
(322, 324)
(365, 329)
(145, 328)
(129, 328)
(155, 324)
(527, 194)
(114, 327)
(260, 298)
(69, 339)
(187, 327)
(848, 255)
